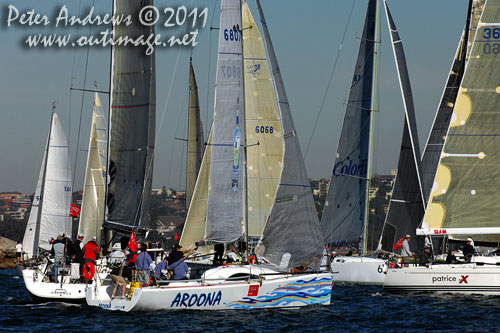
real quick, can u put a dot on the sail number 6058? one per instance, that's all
(264, 129)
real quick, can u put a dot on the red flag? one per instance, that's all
(73, 211)
(132, 243)
(176, 238)
(399, 243)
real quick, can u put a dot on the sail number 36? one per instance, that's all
(491, 34)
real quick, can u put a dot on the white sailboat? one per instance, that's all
(463, 197)
(50, 216)
(345, 216)
(222, 208)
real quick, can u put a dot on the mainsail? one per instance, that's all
(435, 142)
(132, 124)
(263, 128)
(225, 212)
(345, 209)
(292, 235)
(53, 193)
(195, 144)
(464, 200)
(406, 207)
(94, 192)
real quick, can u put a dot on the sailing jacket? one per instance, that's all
(91, 251)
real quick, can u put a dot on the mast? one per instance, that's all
(364, 246)
(42, 189)
(245, 142)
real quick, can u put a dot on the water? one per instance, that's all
(354, 309)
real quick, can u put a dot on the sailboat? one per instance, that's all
(345, 216)
(222, 207)
(49, 216)
(462, 201)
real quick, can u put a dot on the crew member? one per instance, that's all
(405, 250)
(468, 250)
(142, 265)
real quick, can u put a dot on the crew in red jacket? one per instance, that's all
(91, 251)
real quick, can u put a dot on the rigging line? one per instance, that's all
(207, 128)
(81, 106)
(330, 80)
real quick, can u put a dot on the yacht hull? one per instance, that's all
(52, 292)
(474, 278)
(271, 291)
(358, 270)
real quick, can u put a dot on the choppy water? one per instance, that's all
(354, 308)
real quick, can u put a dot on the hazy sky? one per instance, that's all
(306, 35)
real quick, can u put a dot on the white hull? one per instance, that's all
(474, 278)
(358, 270)
(50, 291)
(216, 293)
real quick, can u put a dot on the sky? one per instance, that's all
(307, 36)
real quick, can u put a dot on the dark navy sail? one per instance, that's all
(406, 207)
(132, 124)
(345, 206)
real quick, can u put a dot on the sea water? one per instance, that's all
(353, 309)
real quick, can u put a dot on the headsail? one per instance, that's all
(406, 207)
(263, 128)
(56, 189)
(463, 200)
(195, 144)
(292, 235)
(225, 213)
(93, 202)
(345, 206)
(132, 124)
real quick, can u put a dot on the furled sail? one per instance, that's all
(464, 199)
(225, 213)
(345, 206)
(263, 128)
(94, 192)
(132, 124)
(435, 142)
(30, 240)
(195, 144)
(292, 235)
(406, 207)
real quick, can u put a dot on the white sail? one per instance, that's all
(56, 194)
(225, 213)
(94, 192)
(31, 228)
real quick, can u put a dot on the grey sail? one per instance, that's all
(345, 206)
(195, 137)
(292, 235)
(406, 207)
(132, 124)
(435, 142)
(226, 205)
